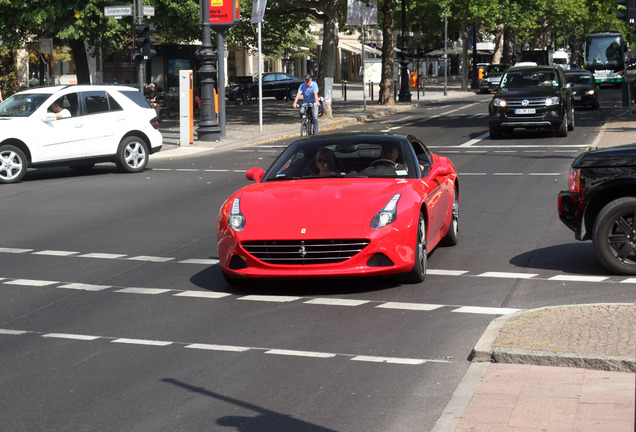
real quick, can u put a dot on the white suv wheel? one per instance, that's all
(13, 164)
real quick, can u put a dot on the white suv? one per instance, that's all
(106, 124)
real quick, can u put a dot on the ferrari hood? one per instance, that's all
(320, 202)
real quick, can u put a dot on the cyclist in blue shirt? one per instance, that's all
(309, 92)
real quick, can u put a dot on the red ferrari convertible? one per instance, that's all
(341, 205)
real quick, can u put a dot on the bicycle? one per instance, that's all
(306, 123)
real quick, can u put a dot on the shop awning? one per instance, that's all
(357, 48)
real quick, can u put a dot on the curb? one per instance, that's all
(484, 351)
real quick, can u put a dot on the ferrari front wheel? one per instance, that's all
(452, 235)
(418, 273)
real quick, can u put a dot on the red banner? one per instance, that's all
(224, 11)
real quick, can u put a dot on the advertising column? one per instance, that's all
(186, 119)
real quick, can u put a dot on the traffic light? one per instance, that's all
(629, 14)
(143, 40)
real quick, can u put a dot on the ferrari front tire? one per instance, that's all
(418, 273)
(452, 235)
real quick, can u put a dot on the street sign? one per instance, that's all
(114, 11)
(149, 11)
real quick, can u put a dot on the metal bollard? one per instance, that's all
(371, 90)
(344, 90)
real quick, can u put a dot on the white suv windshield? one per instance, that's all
(22, 105)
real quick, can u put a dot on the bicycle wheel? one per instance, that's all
(305, 127)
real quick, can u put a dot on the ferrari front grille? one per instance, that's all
(288, 252)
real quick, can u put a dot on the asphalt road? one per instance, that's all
(114, 314)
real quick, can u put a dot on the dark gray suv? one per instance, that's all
(532, 97)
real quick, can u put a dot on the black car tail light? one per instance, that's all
(155, 123)
(575, 180)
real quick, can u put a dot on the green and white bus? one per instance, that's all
(604, 55)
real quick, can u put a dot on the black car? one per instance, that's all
(601, 205)
(585, 90)
(492, 77)
(275, 84)
(532, 97)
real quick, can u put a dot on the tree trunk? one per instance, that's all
(387, 89)
(499, 44)
(327, 61)
(81, 61)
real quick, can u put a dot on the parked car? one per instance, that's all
(585, 90)
(341, 205)
(275, 84)
(600, 205)
(532, 97)
(97, 123)
(492, 77)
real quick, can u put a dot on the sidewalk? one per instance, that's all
(563, 368)
(280, 120)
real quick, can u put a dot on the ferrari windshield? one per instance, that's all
(22, 105)
(370, 156)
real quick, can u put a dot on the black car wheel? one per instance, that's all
(571, 119)
(495, 131)
(13, 164)
(418, 273)
(562, 130)
(614, 235)
(452, 235)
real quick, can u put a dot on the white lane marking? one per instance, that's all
(200, 261)
(475, 140)
(629, 280)
(544, 174)
(31, 282)
(508, 174)
(336, 302)
(409, 306)
(485, 310)
(141, 342)
(102, 255)
(14, 332)
(70, 336)
(475, 174)
(151, 291)
(393, 360)
(439, 272)
(213, 347)
(150, 258)
(85, 287)
(506, 275)
(15, 250)
(300, 353)
(232, 348)
(573, 278)
(55, 253)
(202, 294)
(274, 299)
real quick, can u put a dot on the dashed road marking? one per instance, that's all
(230, 348)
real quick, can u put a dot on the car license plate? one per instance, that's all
(577, 97)
(526, 111)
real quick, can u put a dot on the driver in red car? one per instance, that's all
(387, 163)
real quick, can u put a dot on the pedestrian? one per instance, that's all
(309, 91)
(1, 100)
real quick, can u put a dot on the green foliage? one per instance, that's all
(284, 31)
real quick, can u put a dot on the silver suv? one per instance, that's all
(77, 126)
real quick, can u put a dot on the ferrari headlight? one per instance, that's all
(499, 103)
(552, 101)
(387, 215)
(236, 221)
